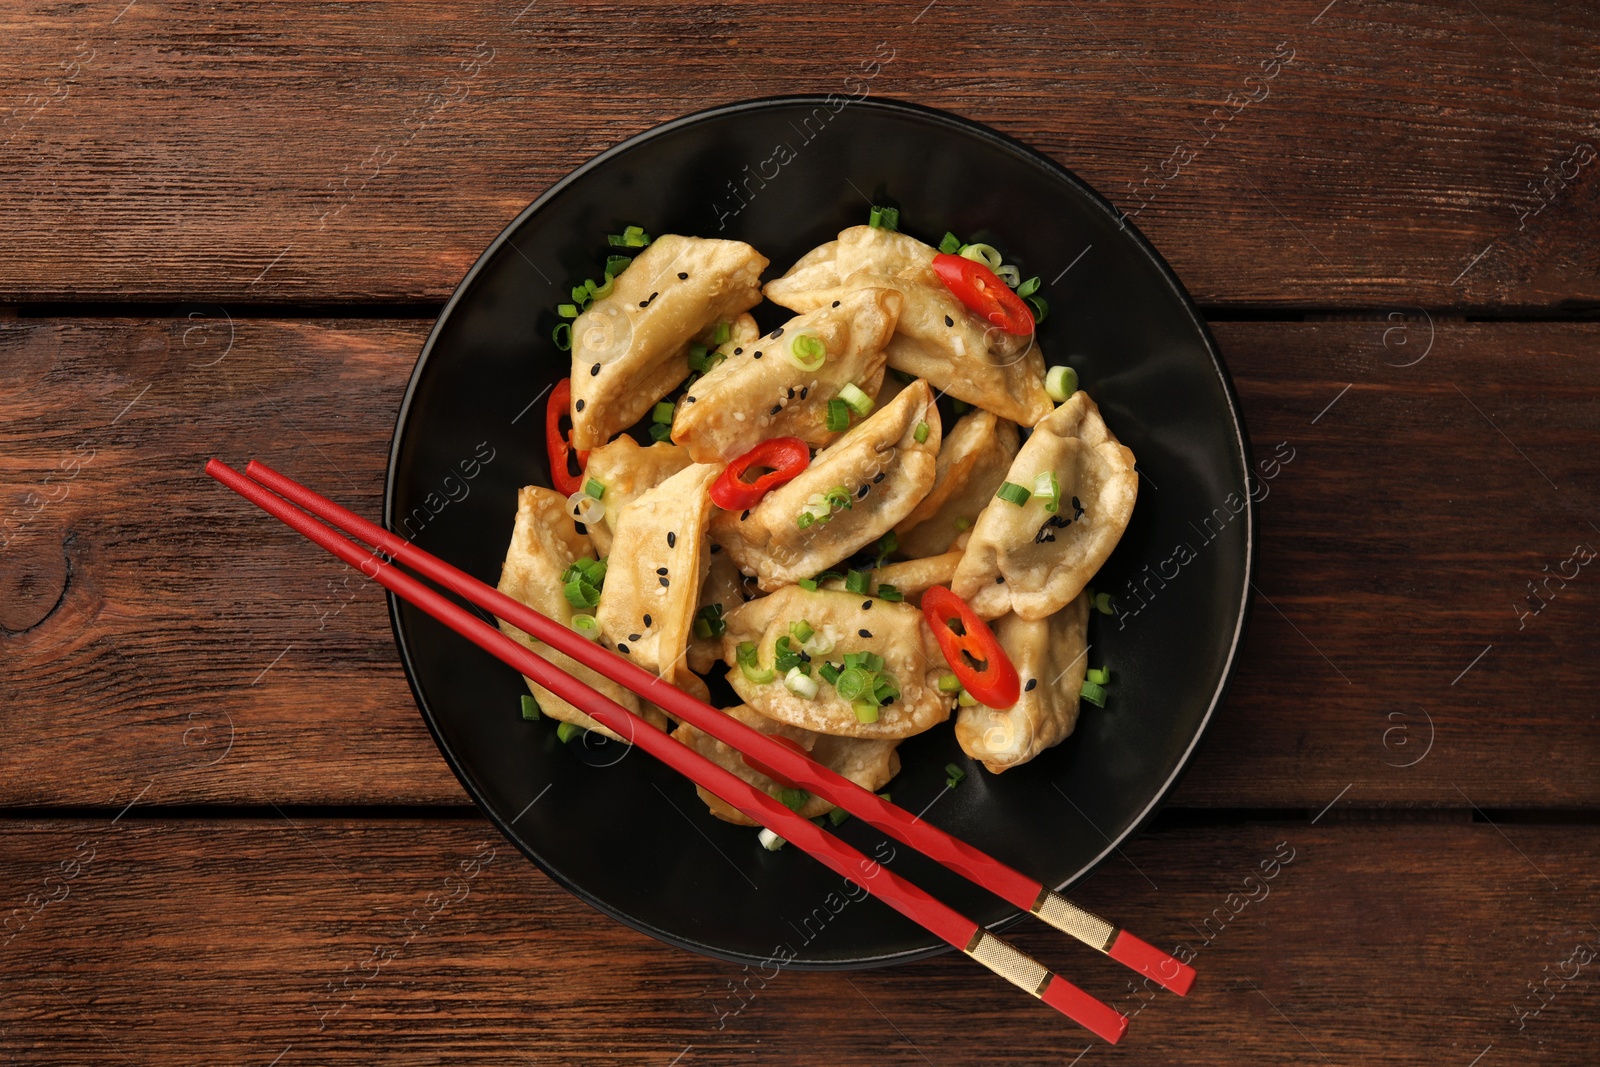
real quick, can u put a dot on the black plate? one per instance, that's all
(620, 830)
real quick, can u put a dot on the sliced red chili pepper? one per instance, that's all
(785, 456)
(761, 768)
(971, 649)
(981, 290)
(558, 442)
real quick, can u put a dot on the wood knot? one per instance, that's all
(33, 579)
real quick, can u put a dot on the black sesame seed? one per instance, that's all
(836, 303)
(948, 321)
(579, 405)
(622, 648)
(672, 539)
(775, 409)
(683, 275)
(862, 492)
(688, 400)
(1031, 683)
(804, 391)
(777, 333)
(866, 605)
(738, 351)
(745, 516)
(664, 582)
(758, 355)
(864, 633)
(644, 303)
(880, 476)
(999, 578)
(594, 370)
(791, 392)
(647, 622)
(661, 570)
(633, 637)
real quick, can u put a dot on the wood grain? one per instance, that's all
(1407, 153)
(160, 630)
(348, 941)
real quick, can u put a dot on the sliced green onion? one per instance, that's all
(567, 311)
(660, 431)
(1102, 603)
(886, 690)
(953, 775)
(829, 673)
(838, 498)
(615, 265)
(950, 244)
(788, 656)
(585, 508)
(1060, 382)
(722, 334)
(567, 731)
(802, 631)
(663, 411)
(963, 523)
(808, 584)
(697, 357)
(530, 707)
(1029, 287)
(801, 685)
(884, 218)
(859, 402)
(1012, 493)
(562, 335)
(1039, 306)
(595, 488)
(600, 292)
(887, 545)
(837, 816)
(889, 592)
(988, 255)
(867, 661)
(804, 521)
(1099, 676)
(967, 700)
(1047, 487)
(635, 237)
(858, 582)
(702, 629)
(949, 683)
(865, 712)
(818, 644)
(745, 656)
(920, 434)
(854, 683)
(580, 295)
(793, 799)
(1093, 693)
(587, 625)
(769, 840)
(807, 351)
(1008, 274)
(838, 417)
(581, 593)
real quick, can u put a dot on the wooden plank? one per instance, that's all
(151, 620)
(1406, 153)
(241, 941)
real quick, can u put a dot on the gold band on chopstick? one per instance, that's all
(1009, 962)
(1067, 917)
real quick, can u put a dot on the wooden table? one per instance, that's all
(226, 229)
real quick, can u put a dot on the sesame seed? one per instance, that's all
(622, 648)
(688, 400)
(672, 539)
(664, 582)
(804, 391)
(738, 351)
(777, 333)
(633, 637)
(866, 605)
(757, 355)
(1031, 683)
(948, 321)
(791, 392)
(594, 370)
(836, 303)
(647, 622)
(745, 516)
(579, 405)
(862, 492)
(661, 570)
(683, 275)
(864, 633)
(999, 579)
(880, 476)
(775, 409)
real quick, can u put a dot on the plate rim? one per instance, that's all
(969, 127)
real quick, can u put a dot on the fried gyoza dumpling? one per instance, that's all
(544, 543)
(913, 577)
(936, 338)
(1051, 659)
(973, 461)
(878, 465)
(628, 471)
(760, 392)
(1022, 558)
(724, 588)
(869, 764)
(653, 576)
(628, 349)
(849, 623)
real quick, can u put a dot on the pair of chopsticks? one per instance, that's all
(284, 498)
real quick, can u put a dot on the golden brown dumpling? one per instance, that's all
(544, 543)
(1023, 559)
(912, 577)
(818, 277)
(658, 562)
(879, 464)
(973, 460)
(1051, 659)
(628, 349)
(724, 587)
(869, 764)
(758, 392)
(628, 470)
(894, 631)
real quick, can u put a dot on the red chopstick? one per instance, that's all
(957, 855)
(936, 917)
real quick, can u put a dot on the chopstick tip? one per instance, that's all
(1158, 966)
